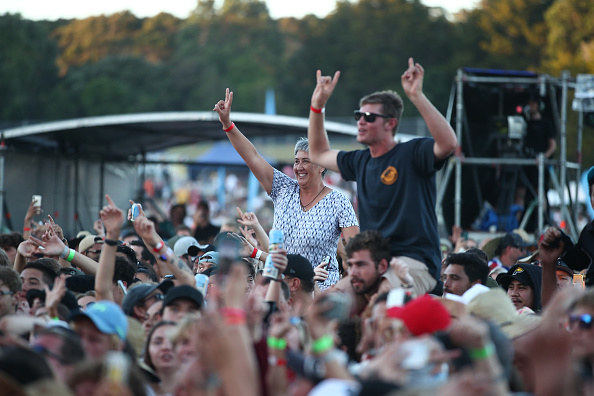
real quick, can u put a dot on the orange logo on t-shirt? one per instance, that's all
(389, 176)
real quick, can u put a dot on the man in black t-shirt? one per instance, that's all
(395, 181)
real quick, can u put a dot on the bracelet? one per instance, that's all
(230, 128)
(258, 255)
(65, 252)
(111, 242)
(165, 256)
(71, 255)
(253, 255)
(318, 111)
(26, 229)
(233, 316)
(275, 361)
(235, 321)
(276, 343)
(322, 344)
(158, 247)
(482, 353)
(233, 312)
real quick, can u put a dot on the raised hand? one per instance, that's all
(412, 79)
(248, 219)
(223, 108)
(54, 296)
(29, 247)
(249, 235)
(324, 87)
(98, 227)
(146, 230)
(52, 246)
(112, 218)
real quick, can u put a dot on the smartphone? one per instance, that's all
(123, 287)
(326, 261)
(36, 199)
(135, 211)
(578, 281)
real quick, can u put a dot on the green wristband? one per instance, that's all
(71, 255)
(276, 343)
(482, 353)
(322, 344)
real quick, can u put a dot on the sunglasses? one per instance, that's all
(46, 352)
(583, 321)
(367, 116)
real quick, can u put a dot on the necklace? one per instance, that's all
(309, 203)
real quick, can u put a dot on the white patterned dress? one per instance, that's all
(314, 233)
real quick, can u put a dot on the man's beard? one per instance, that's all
(366, 289)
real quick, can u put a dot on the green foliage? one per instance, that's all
(92, 39)
(27, 68)
(571, 37)
(515, 32)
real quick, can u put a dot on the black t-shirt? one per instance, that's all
(396, 194)
(538, 134)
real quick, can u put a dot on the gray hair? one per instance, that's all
(303, 145)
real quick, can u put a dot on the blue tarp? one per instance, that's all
(223, 154)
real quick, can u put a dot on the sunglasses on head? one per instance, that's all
(583, 321)
(367, 116)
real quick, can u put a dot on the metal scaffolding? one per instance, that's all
(497, 82)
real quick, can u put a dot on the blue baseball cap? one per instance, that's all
(107, 316)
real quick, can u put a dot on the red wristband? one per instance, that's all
(158, 247)
(27, 229)
(316, 110)
(230, 128)
(254, 253)
(228, 312)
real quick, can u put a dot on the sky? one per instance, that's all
(55, 9)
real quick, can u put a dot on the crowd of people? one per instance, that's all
(344, 304)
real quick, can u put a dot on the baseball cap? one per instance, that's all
(209, 257)
(183, 292)
(511, 239)
(521, 273)
(107, 316)
(562, 266)
(299, 267)
(186, 245)
(141, 291)
(87, 242)
(423, 315)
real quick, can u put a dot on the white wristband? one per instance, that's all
(65, 252)
(258, 254)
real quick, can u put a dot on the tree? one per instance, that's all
(27, 68)
(571, 37)
(515, 32)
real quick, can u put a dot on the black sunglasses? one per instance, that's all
(583, 321)
(367, 116)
